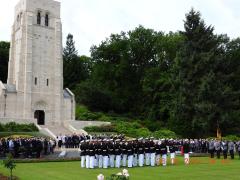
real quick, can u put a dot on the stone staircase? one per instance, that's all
(53, 131)
(68, 127)
(81, 124)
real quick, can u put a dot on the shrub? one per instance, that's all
(103, 128)
(15, 127)
(164, 133)
(143, 132)
(82, 113)
(231, 138)
(2, 128)
(152, 125)
(105, 118)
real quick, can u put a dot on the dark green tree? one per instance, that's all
(197, 102)
(4, 56)
(69, 52)
(157, 83)
(75, 68)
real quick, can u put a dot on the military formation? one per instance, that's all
(105, 153)
(130, 153)
(26, 147)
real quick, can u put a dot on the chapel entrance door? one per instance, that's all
(40, 116)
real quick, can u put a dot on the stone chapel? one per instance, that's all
(34, 90)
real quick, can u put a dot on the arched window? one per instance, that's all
(46, 20)
(39, 18)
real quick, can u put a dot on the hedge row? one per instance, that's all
(131, 129)
(15, 127)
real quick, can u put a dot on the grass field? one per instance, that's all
(200, 168)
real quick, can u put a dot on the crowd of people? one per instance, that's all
(104, 153)
(73, 140)
(27, 147)
(115, 150)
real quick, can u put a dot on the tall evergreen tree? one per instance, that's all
(75, 68)
(69, 52)
(196, 83)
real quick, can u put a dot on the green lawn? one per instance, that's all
(200, 168)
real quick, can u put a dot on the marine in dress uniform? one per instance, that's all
(91, 154)
(172, 151)
(100, 154)
(186, 150)
(158, 152)
(135, 151)
(124, 153)
(117, 151)
(111, 153)
(105, 154)
(163, 149)
(130, 154)
(152, 153)
(87, 154)
(147, 152)
(140, 152)
(83, 153)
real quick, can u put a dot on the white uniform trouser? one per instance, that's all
(92, 158)
(147, 156)
(172, 156)
(140, 160)
(100, 161)
(105, 161)
(164, 159)
(186, 158)
(83, 158)
(112, 160)
(135, 160)
(153, 159)
(158, 156)
(118, 161)
(130, 160)
(96, 161)
(124, 160)
(87, 161)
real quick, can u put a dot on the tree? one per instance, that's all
(75, 68)
(9, 164)
(4, 57)
(157, 83)
(69, 52)
(198, 97)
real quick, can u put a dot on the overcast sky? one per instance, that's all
(91, 21)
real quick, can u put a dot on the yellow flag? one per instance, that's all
(219, 134)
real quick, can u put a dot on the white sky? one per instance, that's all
(91, 21)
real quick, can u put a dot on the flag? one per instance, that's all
(219, 134)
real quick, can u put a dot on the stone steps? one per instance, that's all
(56, 130)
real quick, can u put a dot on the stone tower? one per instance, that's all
(34, 90)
